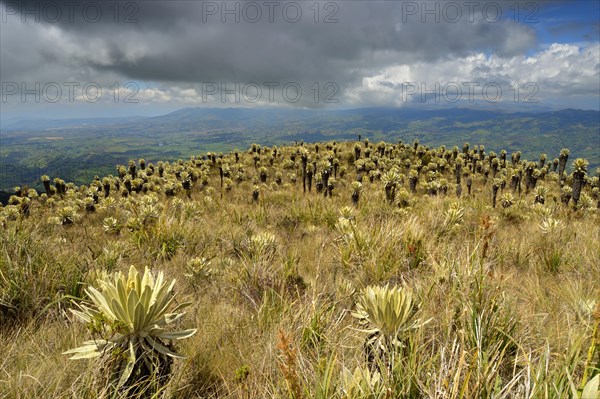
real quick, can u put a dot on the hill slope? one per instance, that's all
(441, 272)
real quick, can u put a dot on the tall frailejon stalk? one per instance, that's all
(562, 164)
(319, 182)
(515, 158)
(457, 173)
(495, 164)
(515, 180)
(221, 173)
(46, 182)
(263, 174)
(106, 186)
(390, 181)
(535, 176)
(330, 187)
(469, 183)
(357, 151)
(503, 158)
(554, 164)
(529, 168)
(495, 188)
(310, 169)
(580, 167)
(465, 149)
(413, 179)
(325, 170)
(542, 160)
(335, 163)
(356, 190)
(458, 190)
(132, 169)
(304, 161)
(60, 186)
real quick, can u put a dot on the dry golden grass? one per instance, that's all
(507, 301)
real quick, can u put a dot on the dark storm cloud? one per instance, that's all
(367, 49)
(187, 42)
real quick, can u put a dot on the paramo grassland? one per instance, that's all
(329, 270)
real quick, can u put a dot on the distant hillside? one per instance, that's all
(79, 149)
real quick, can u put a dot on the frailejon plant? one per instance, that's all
(540, 194)
(566, 194)
(453, 217)
(65, 215)
(199, 268)
(506, 200)
(591, 390)
(262, 245)
(362, 384)
(550, 226)
(580, 167)
(46, 182)
(386, 314)
(255, 193)
(356, 190)
(402, 198)
(562, 163)
(131, 313)
(330, 186)
(390, 181)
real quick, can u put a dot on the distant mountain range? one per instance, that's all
(77, 149)
(218, 118)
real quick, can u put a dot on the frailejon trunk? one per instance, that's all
(577, 186)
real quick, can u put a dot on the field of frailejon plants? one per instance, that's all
(330, 270)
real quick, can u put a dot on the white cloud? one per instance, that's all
(561, 70)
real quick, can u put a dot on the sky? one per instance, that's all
(106, 58)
